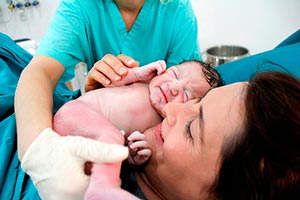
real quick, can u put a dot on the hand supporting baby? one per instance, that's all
(104, 184)
(55, 163)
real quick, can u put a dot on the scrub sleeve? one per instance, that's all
(85, 32)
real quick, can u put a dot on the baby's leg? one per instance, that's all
(76, 118)
(105, 185)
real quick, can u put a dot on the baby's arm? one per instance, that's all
(139, 151)
(144, 73)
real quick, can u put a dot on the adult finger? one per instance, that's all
(98, 152)
(128, 61)
(115, 64)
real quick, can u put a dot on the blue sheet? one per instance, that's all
(15, 184)
(284, 57)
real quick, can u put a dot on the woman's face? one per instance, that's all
(186, 145)
(178, 84)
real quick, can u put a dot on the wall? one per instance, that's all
(31, 23)
(258, 25)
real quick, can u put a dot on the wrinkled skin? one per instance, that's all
(101, 114)
(100, 119)
(104, 181)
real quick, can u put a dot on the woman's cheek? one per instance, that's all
(171, 147)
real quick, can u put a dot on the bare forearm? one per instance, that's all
(33, 105)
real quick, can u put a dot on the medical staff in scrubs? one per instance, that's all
(109, 36)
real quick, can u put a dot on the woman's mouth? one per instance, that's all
(158, 133)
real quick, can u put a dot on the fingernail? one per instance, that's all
(107, 82)
(117, 77)
(122, 70)
(130, 62)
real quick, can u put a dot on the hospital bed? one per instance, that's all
(15, 184)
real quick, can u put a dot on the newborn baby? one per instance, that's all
(137, 105)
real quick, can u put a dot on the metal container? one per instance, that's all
(218, 55)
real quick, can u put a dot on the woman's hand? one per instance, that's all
(56, 163)
(109, 69)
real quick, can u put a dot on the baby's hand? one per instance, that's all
(139, 151)
(147, 72)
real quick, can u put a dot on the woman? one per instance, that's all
(109, 36)
(264, 162)
(240, 141)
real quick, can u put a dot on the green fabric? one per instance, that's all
(285, 58)
(84, 31)
(14, 183)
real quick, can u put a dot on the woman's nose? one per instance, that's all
(170, 112)
(180, 111)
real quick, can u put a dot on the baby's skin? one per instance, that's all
(125, 108)
(134, 107)
(104, 179)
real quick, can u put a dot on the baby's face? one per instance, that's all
(179, 83)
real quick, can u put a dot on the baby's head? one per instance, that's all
(183, 82)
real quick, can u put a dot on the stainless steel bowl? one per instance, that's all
(218, 55)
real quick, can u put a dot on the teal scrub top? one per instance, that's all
(85, 31)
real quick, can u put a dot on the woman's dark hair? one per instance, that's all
(263, 161)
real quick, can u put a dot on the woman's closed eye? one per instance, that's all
(188, 130)
(185, 97)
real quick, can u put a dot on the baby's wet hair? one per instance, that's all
(212, 76)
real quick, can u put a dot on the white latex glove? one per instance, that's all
(56, 163)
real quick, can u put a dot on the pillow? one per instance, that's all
(284, 58)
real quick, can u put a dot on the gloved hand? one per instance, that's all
(56, 163)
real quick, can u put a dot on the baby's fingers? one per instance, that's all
(139, 144)
(144, 152)
(136, 135)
